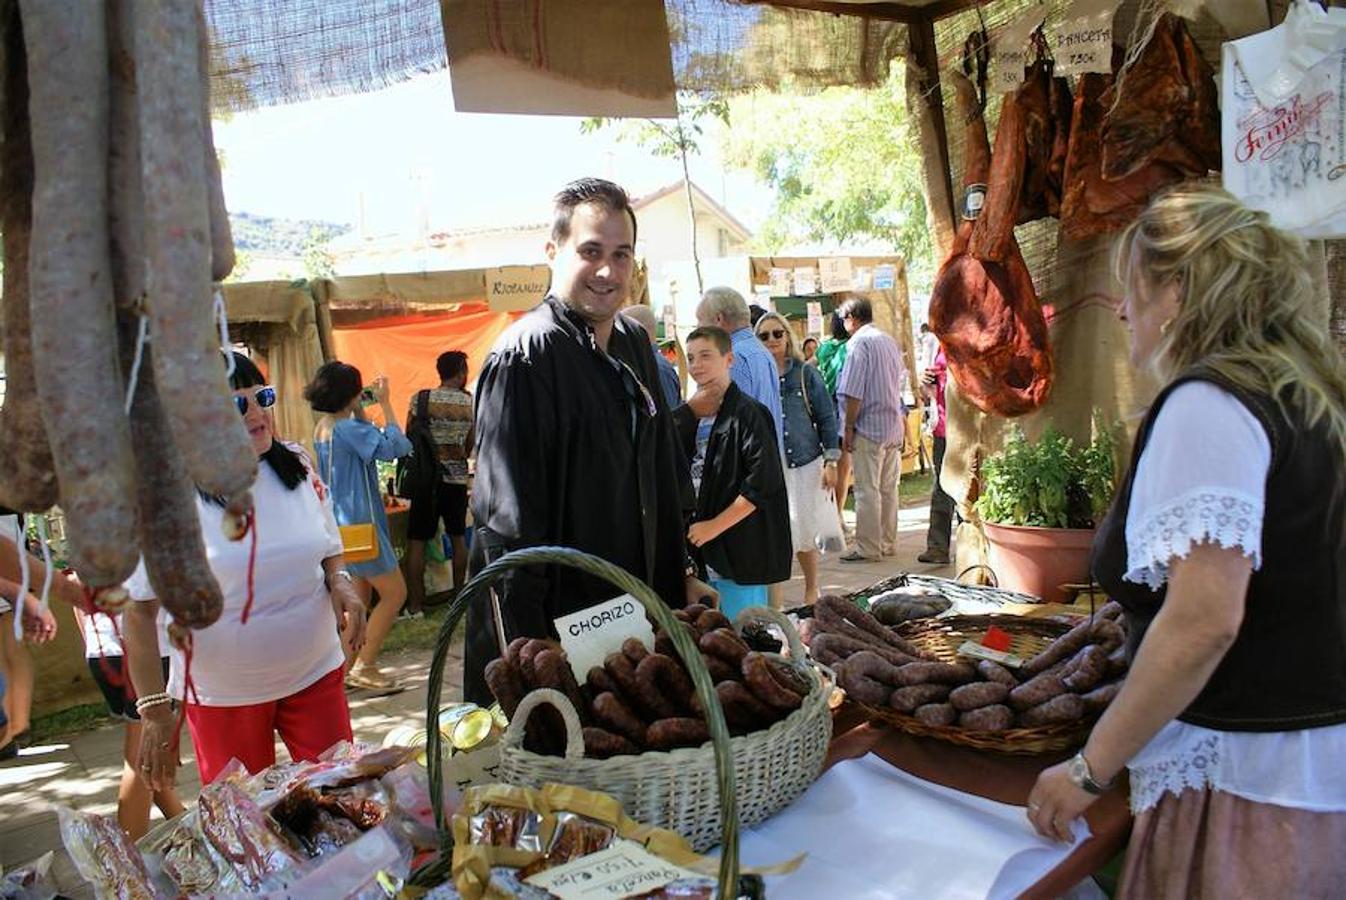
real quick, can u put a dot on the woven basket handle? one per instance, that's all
(513, 735)
(798, 658)
(477, 591)
(995, 580)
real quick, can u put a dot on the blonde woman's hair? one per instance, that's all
(791, 348)
(1247, 306)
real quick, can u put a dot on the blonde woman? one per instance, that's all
(1227, 547)
(812, 444)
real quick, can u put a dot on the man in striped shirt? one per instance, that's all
(869, 393)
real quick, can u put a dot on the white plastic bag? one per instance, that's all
(831, 538)
(1283, 111)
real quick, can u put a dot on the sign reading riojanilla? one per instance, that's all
(516, 288)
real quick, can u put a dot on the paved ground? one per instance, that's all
(82, 770)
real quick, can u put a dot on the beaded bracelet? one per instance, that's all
(152, 700)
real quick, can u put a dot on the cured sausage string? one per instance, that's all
(142, 335)
(223, 319)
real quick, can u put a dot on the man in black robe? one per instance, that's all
(575, 442)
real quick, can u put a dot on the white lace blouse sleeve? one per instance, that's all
(1202, 477)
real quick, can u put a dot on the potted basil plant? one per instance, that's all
(1039, 504)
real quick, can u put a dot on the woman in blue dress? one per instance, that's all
(347, 446)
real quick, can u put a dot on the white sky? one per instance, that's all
(411, 155)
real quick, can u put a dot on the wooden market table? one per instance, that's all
(995, 776)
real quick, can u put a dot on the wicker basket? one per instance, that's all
(943, 637)
(713, 795)
(676, 789)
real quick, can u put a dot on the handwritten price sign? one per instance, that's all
(1082, 42)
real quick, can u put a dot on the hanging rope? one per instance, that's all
(142, 335)
(222, 319)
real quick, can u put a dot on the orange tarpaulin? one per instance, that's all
(405, 347)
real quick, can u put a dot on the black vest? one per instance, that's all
(1287, 668)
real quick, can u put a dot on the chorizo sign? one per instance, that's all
(589, 635)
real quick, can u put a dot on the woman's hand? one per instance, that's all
(1055, 802)
(350, 613)
(829, 476)
(39, 625)
(379, 387)
(157, 761)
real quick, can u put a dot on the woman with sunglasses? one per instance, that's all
(348, 446)
(281, 671)
(812, 444)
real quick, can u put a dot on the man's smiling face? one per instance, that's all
(591, 267)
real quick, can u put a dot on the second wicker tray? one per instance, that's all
(943, 637)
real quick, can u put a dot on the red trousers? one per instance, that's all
(309, 722)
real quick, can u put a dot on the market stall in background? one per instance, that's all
(797, 750)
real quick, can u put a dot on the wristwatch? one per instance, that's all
(1078, 772)
(341, 573)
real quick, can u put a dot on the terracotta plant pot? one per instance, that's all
(1038, 561)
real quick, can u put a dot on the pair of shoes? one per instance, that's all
(369, 678)
(855, 556)
(934, 557)
(10, 750)
(24, 739)
(418, 614)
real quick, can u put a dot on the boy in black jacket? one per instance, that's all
(742, 527)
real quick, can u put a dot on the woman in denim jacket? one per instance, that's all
(812, 445)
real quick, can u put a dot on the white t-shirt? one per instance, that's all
(290, 640)
(103, 638)
(1202, 477)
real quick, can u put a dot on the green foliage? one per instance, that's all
(844, 166)
(280, 237)
(1050, 484)
(318, 259)
(666, 138)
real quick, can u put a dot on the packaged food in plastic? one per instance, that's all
(104, 856)
(29, 882)
(507, 826)
(239, 834)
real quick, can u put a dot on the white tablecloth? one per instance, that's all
(873, 832)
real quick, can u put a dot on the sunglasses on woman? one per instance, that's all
(264, 397)
(773, 335)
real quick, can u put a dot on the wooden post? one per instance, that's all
(933, 135)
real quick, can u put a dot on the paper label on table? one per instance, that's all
(465, 769)
(622, 870)
(589, 635)
(1011, 49)
(805, 280)
(815, 317)
(977, 651)
(1082, 42)
(780, 282)
(885, 277)
(836, 272)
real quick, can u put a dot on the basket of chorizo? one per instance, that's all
(695, 734)
(1052, 681)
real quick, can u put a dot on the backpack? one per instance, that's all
(418, 472)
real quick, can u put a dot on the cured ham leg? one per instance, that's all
(986, 312)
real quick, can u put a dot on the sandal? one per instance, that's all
(369, 678)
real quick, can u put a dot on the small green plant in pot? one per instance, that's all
(1039, 504)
